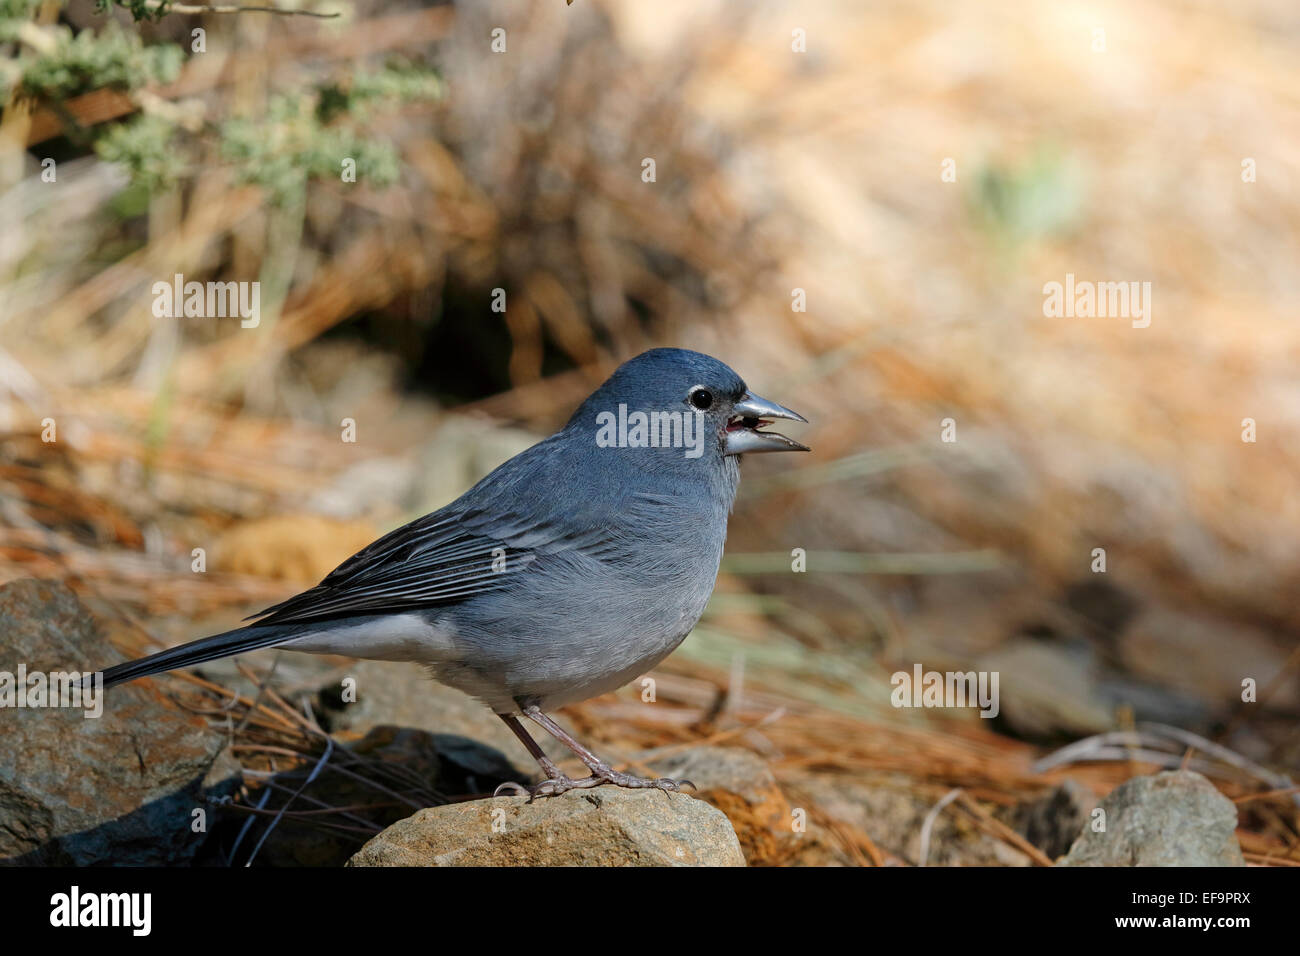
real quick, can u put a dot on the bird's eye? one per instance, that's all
(701, 398)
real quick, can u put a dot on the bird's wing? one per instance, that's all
(479, 543)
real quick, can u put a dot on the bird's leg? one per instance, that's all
(548, 767)
(556, 781)
(601, 772)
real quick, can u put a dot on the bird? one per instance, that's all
(568, 571)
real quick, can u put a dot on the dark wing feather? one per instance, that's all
(448, 556)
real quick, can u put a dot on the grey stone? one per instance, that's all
(1176, 818)
(604, 826)
(740, 784)
(733, 769)
(117, 789)
(1048, 688)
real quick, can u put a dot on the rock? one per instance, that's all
(732, 769)
(1207, 656)
(1176, 818)
(466, 731)
(1052, 821)
(430, 733)
(1048, 688)
(119, 788)
(604, 826)
(739, 784)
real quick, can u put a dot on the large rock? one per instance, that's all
(466, 731)
(120, 788)
(1048, 688)
(604, 826)
(1176, 818)
(740, 784)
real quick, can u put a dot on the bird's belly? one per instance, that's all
(555, 672)
(613, 669)
(554, 653)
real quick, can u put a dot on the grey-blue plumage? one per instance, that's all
(568, 571)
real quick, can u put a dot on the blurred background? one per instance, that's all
(856, 206)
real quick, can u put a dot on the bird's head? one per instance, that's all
(676, 398)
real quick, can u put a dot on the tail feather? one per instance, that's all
(225, 644)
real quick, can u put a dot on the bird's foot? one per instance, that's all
(633, 782)
(554, 786)
(550, 787)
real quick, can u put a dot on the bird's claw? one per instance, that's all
(554, 786)
(550, 787)
(667, 784)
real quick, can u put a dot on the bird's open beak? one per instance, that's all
(749, 415)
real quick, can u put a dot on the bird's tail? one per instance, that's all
(225, 644)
